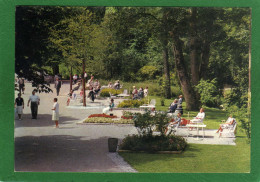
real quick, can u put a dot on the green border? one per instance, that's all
(7, 44)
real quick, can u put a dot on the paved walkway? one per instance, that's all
(72, 147)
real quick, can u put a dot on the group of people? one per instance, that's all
(116, 85)
(139, 94)
(176, 105)
(94, 88)
(77, 78)
(34, 100)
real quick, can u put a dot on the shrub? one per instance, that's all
(176, 91)
(153, 143)
(105, 92)
(162, 102)
(148, 72)
(146, 122)
(208, 92)
(131, 103)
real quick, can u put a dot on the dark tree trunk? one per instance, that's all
(188, 91)
(166, 73)
(204, 59)
(194, 58)
(83, 83)
(164, 40)
(70, 78)
(55, 69)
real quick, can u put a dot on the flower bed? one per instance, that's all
(107, 120)
(153, 143)
(129, 117)
(101, 115)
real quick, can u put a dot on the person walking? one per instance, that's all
(55, 113)
(57, 85)
(35, 102)
(21, 85)
(19, 104)
(75, 78)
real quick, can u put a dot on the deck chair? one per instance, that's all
(150, 105)
(76, 100)
(229, 130)
(172, 129)
(112, 96)
(124, 94)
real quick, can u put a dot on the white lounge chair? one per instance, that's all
(230, 130)
(150, 105)
(172, 128)
(124, 94)
(76, 100)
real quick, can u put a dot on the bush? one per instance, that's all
(147, 72)
(105, 92)
(131, 103)
(153, 143)
(208, 93)
(175, 92)
(146, 122)
(162, 102)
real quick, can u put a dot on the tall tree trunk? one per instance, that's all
(70, 78)
(164, 40)
(83, 83)
(194, 58)
(55, 69)
(205, 50)
(188, 91)
(166, 73)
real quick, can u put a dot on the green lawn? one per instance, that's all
(197, 158)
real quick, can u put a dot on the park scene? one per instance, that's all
(132, 89)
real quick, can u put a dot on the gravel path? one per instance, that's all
(76, 148)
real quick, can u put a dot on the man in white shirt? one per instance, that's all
(55, 113)
(35, 101)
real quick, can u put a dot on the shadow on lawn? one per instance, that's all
(60, 153)
(42, 121)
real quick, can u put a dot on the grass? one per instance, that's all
(197, 158)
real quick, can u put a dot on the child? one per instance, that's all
(55, 113)
(19, 103)
(111, 105)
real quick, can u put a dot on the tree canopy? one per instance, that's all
(176, 45)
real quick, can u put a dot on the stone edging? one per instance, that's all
(157, 152)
